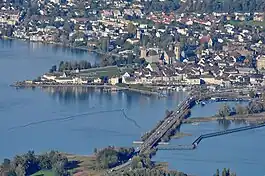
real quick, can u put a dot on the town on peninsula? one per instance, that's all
(212, 49)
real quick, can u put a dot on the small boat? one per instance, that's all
(203, 103)
(195, 123)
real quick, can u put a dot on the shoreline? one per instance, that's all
(87, 49)
(110, 88)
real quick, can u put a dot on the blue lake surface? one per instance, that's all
(51, 118)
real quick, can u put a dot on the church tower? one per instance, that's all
(177, 51)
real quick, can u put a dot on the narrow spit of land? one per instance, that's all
(253, 118)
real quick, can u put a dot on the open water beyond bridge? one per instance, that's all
(209, 135)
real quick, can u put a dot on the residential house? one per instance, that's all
(63, 80)
(261, 63)
(193, 80)
(97, 81)
(53, 76)
(209, 79)
(256, 79)
(258, 17)
(124, 76)
(115, 80)
(9, 17)
(152, 67)
(245, 70)
(133, 41)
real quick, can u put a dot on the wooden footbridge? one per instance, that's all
(209, 135)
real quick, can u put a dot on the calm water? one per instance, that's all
(59, 123)
(80, 134)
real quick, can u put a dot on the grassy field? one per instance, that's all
(87, 165)
(99, 72)
(44, 173)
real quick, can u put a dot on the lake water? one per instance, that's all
(77, 120)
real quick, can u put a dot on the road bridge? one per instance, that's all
(176, 118)
(209, 135)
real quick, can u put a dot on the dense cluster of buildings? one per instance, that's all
(181, 48)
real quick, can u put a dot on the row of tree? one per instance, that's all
(225, 172)
(30, 163)
(252, 108)
(73, 65)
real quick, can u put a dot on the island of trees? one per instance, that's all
(253, 107)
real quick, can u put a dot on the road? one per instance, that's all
(175, 118)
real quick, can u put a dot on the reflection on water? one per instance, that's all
(56, 48)
(6, 43)
(225, 124)
(69, 94)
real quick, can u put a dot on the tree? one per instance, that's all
(61, 66)
(241, 110)
(105, 44)
(45, 161)
(145, 39)
(131, 28)
(9, 32)
(224, 173)
(30, 163)
(255, 107)
(6, 163)
(20, 171)
(59, 168)
(67, 26)
(53, 69)
(224, 111)
(217, 172)
(252, 93)
(135, 161)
